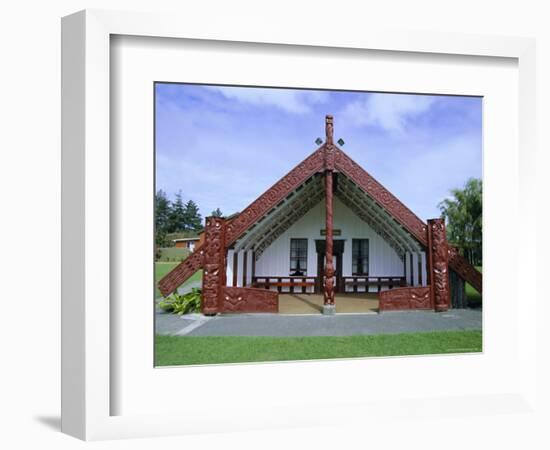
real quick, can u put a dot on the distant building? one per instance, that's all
(189, 243)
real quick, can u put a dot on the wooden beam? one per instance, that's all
(186, 268)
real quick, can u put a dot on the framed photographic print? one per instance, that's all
(290, 228)
(327, 238)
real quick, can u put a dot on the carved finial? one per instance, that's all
(329, 128)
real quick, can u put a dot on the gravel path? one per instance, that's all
(318, 325)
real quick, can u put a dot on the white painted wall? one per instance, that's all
(240, 263)
(412, 271)
(383, 260)
(248, 256)
(229, 268)
(408, 267)
(240, 266)
(275, 261)
(424, 269)
(415, 269)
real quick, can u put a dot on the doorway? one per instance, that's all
(337, 251)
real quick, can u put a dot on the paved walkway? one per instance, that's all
(317, 325)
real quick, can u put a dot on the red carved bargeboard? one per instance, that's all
(405, 298)
(464, 269)
(380, 194)
(249, 300)
(182, 272)
(261, 206)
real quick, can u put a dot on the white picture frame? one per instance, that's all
(87, 355)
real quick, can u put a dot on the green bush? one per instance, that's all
(182, 304)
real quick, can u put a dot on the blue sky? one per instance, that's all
(224, 146)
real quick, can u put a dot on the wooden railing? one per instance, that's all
(352, 284)
(291, 282)
(302, 284)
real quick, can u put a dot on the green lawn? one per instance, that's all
(162, 268)
(172, 254)
(185, 350)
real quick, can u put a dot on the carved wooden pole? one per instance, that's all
(329, 265)
(214, 275)
(439, 264)
(328, 307)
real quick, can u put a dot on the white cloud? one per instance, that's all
(289, 100)
(391, 112)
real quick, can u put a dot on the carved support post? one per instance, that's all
(328, 306)
(439, 264)
(329, 264)
(214, 275)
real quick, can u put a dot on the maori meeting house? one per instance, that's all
(326, 230)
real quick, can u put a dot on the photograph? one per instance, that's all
(309, 224)
(275, 225)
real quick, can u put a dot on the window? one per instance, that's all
(360, 256)
(298, 257)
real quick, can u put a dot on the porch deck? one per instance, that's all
(313, 303)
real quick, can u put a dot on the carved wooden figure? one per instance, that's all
(328, 293)
(439, 264)
(214, 275)
(329, 264)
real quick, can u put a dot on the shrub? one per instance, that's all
(182, 303)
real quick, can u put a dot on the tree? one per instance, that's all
(463, 215)
(177, 219)
(217, 213)
(193, 220)
(162, 216)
